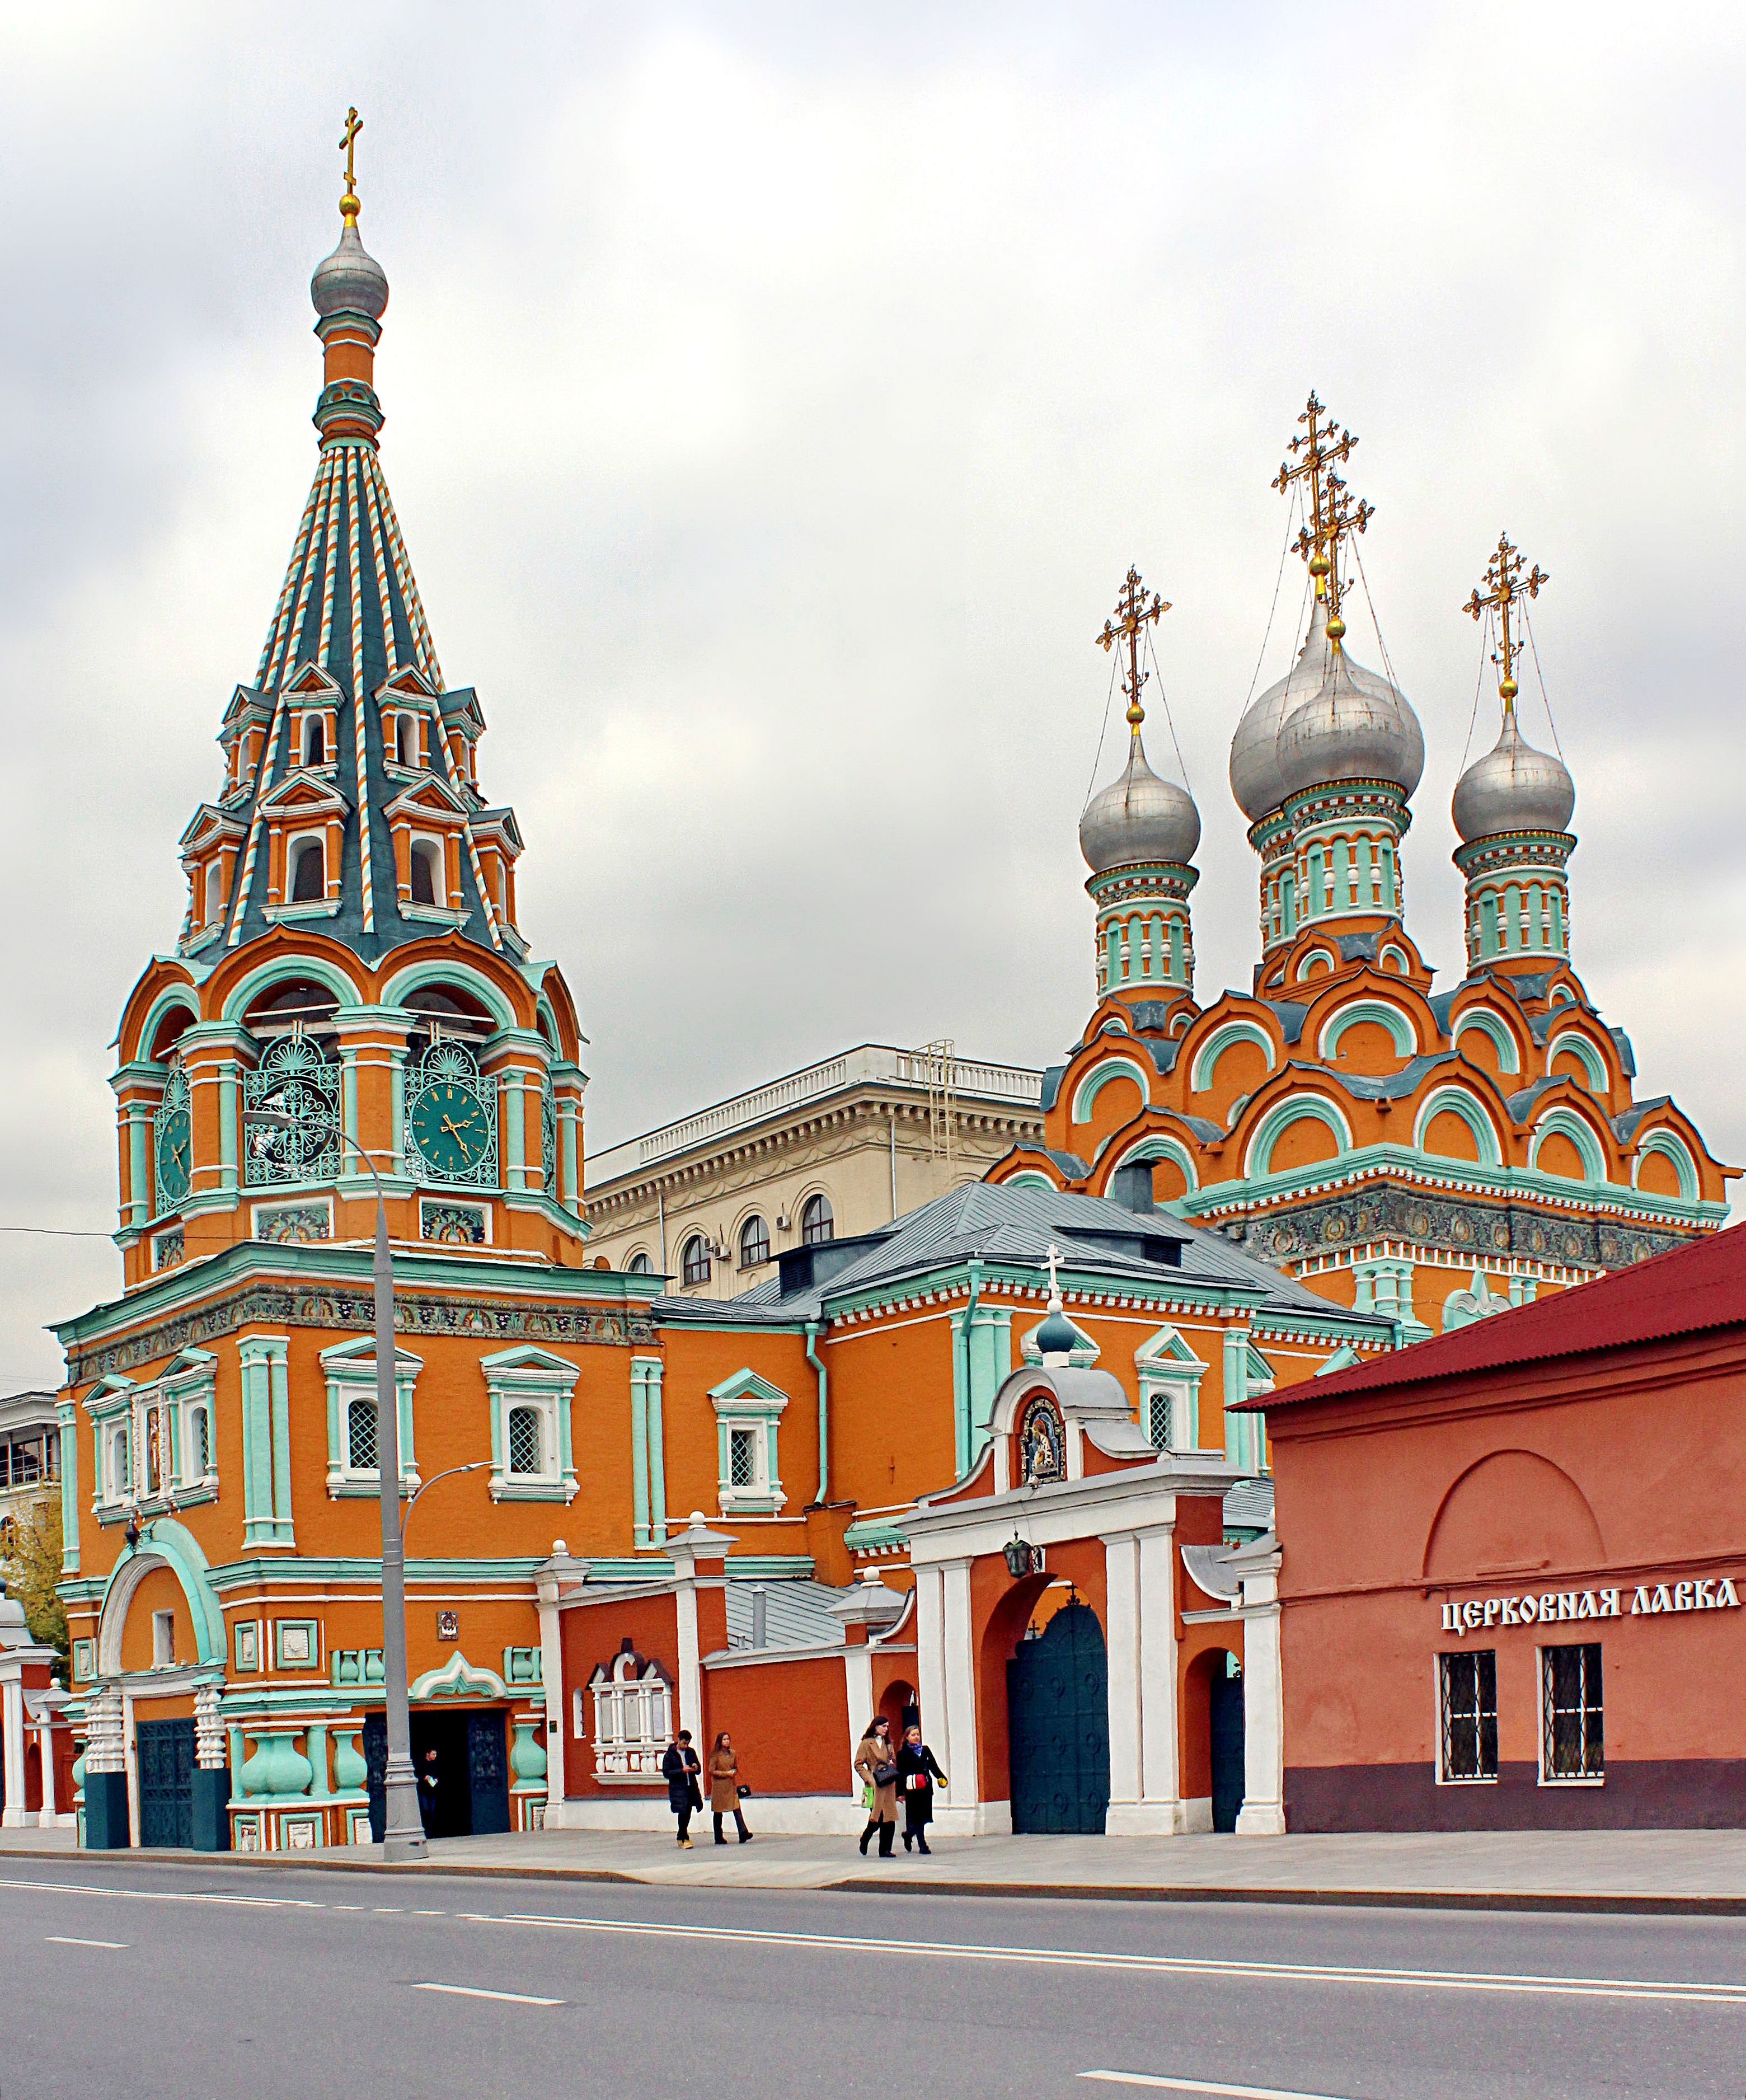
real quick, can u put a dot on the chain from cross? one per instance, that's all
(1333, 515)
(354, 126)
(1134, 614)
(1504, 583)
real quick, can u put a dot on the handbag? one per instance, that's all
(884, 1774)
(743, 1792)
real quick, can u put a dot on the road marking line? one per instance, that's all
(386, 1910)
(1201, 2085)
(430, 1913)
(165, 1895)
(68, 1939)
(507, 1997)
(1154, 1965)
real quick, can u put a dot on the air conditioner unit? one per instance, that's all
(782, 1221)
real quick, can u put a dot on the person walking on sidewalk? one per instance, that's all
(878, 1770)
(680, 1768)
(724, 1787)
(917, 1770)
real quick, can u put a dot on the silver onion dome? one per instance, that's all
(1254, 754)
(1356, 725)
(1139, 818)
(1513, 788)
(350, 280)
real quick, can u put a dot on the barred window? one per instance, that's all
(524, 1440)
(1158, 1413)
(1469, 1698)
(754, 1243)
(1570, 1704)
(743, 1458)
(361, 1456)
(818, 1221)
(199, 1444)
(695, 1261)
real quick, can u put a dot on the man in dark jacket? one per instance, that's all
(917, 1771)
(680, 1767)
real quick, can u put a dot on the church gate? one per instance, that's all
(1058, 1727)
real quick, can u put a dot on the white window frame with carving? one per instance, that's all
(748, 1405)
(1170, 1374)
(350, 1369)
(633, 1701)
(530, 1377)
(127, 1418)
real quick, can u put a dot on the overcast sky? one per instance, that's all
(776, 396)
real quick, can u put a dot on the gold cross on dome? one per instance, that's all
(1332, 514)
(349, 206)
(1134, 614)
(1504, 583)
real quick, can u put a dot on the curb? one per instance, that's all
(1591, 1901)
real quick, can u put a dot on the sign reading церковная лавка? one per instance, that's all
(1700, 1593)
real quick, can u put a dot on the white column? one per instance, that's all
(45, 1740)
(130, 1752)
(1161, 1762)
(1121, 1635)
(857, 1685)
(930, 1660)
(1262, 1813)
(964, 1792)
(691, 1668)
(12, 1744)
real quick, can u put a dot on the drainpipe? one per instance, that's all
(975, 1292)
(814, 1329)
(660, 1212)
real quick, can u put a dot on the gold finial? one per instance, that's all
(1333, 513)
(1504, 583)
(1133, 613)
(349, 206)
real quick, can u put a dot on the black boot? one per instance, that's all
(923, 1843)
(908, 1840)
(888, 1833)
(865, 1835)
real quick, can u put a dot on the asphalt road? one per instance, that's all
(153, 1980)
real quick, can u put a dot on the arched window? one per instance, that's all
(754, 1243)
(314, 741)
(198, 1462)
(360, 1437)
(309, 874)
(406, 739)
(694, 1262)
(425, 878)
(214, 892)
(817, 1225)
(525, 1455)
(639, 1264)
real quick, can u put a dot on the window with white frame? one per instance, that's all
(1170, 1374)
(355, 1428)
(1467, 1701)
(1572, 1735)
(427, 872)
(309, 875)
(748, 1415)
(117, 1461)
(363, 1446)
(693, 1262)
(633, 1702)
(154, 1442)
(528, 1391)
(639, 1264)
(214, 892)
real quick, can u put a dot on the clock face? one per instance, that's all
(452, 1131)
(174, 1146)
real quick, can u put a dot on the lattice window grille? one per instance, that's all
(743, 1457)
(294, 1079)
(451, 1064)
(549, 1135)
(1469, 1700)
(526, 1441)
(1570, 1710)
(363, 1453)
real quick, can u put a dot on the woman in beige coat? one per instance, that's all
(877, 1771)
(724, 1790)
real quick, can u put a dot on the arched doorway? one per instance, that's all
(1213, 1727)
(1058, 1727)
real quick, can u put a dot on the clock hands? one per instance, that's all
(466, 1150)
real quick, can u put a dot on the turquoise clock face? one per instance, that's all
(174, 1148)
(452, 1131)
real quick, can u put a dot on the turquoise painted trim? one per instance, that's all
(1670, 1146)
(1086, 1093)
(1296, 1108)
(276, 1573)
(166, 1002)
(1593, 1065)
(1031, 1180)
(1457, 1101)
(515, 1131)
(67, 1415)
(813, 1329)
(567, 1124)
(1159, 1147)
(1564, 1122)
(177, 1545)
(279, 1384)
(1228, 1032)
(255, 1354)
(138, 1178)
(1380, 1012)
(657, 1460)
(447, 969)
(227, 1127)
(1495, 1031)
(302, 964)
(639, 1401)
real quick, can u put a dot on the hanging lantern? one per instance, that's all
(1017, 1556)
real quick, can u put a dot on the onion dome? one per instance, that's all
(350, 280)
(1139, 818)
(1058, 1338)
(1354, 725)
(1513, 788)
(1254, 755)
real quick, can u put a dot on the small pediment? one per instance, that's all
(210, 826)
(500, 827)
(354, 1355)
(246, 704)
(430, 797)
(309, 683)
(407, 683)
(748, 1385)
(461, 707)
(1167, 1349)
(305, 793)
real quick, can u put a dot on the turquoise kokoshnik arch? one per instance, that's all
(171, 997)
(1098, 1078)
(450, 969)
(164, 1543)
(1457, 1101)
(1299, 1107)
(1495, 1031)
(1593, 1065)
(1382, 1012)
(280, 968)
(1159, 1148)
(1671, 1145)
(1563, 1121)
(1223, 1038)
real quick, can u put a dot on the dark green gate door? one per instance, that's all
(1058, 1727)
(488, 1773)
(1227, 1768)
(166, 1782)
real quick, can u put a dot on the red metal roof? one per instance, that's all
(1696, 1287)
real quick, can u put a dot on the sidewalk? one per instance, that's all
(1698, 1871)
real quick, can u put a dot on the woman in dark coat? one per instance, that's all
(680, 1769)
(917, 1771)
(873, 1759)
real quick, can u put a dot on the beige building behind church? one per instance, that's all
(840, 1148)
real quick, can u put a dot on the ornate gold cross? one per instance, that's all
(348, 204)
(1133, 616)
(1504, 583)
(1333, 513)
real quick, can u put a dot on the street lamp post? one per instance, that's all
(403, 1827)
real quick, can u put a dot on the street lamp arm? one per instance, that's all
(425, 1487)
